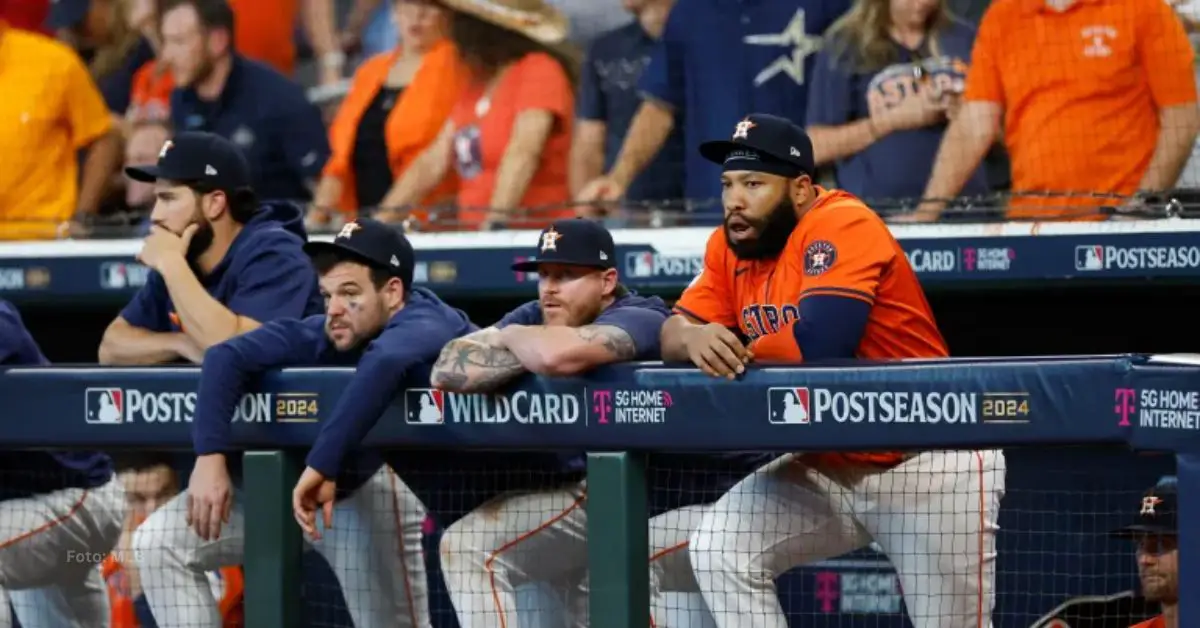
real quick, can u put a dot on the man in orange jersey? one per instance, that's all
(1156, 533)
(798, 273)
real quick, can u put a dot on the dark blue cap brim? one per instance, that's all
(145, 174)
(313, 249)
(716, 151)
(532, 264)
(1142, 529)
(316, 248)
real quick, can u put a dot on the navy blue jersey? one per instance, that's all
(640, 317)
(608, 93)
(270, 118)
(719, 60)
(407, 347)
(265, 275)
(26, 473)
(898, 165)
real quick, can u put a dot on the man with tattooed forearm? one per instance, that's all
(534, 530)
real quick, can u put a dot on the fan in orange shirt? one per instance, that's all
(806, 274)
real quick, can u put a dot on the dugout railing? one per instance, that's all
(1145, 402)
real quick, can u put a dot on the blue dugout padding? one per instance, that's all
(1145, 402)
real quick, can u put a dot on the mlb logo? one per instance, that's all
(104, 406)
(1089, 257)
(113, 276)
(424, 406)
(788, 406)
(639, 264)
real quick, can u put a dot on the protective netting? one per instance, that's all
(522, 561)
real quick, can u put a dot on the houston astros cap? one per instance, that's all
(373, 243)
(764, 143)
(1157, 513)
(196, 157)
(573, 241)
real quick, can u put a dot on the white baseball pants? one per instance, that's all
(51, 547)
(542, 537)
(374, 549)
(934, 516)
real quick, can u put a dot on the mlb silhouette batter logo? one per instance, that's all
(104, 406)
(1089, 257)
(788, 406)
(424, 406)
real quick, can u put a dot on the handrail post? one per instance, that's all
(273, 540)
(618, 540)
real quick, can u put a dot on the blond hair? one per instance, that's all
(863, 37)
(121, 41)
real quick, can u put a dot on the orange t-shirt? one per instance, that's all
(265, 30)
(1081, 92)
(412, 125)
(1154, 622)
(483, 130)
(150, 96)
(840, 248)
(52, 110)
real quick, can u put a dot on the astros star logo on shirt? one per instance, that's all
(802, 44)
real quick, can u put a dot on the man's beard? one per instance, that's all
(203, 70)
(773, 233)
(201, 241)
(359, 341)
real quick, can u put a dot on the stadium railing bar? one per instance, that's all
(1063, 400)
(1181, 203)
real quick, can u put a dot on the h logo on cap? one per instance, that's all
(167, 145)
(1149, 503)
(742, 129)
(348, 229)
(550, 240)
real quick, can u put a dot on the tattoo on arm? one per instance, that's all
(615, 340)
(474, 364)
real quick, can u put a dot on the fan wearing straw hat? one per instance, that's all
(509, 134)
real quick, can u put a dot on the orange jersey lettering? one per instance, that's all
(840, 248)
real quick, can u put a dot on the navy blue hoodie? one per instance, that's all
(25, 473)
(409, 343)
(265, 275)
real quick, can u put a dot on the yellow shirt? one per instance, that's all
(49, 110)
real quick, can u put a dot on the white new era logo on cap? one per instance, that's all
(209, 170)
(395, 262)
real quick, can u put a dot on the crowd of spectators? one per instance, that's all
(485, 114)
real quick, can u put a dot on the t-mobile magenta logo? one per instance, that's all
(1124, 407)
(827, 590)
(969, 258)
(602, 404)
